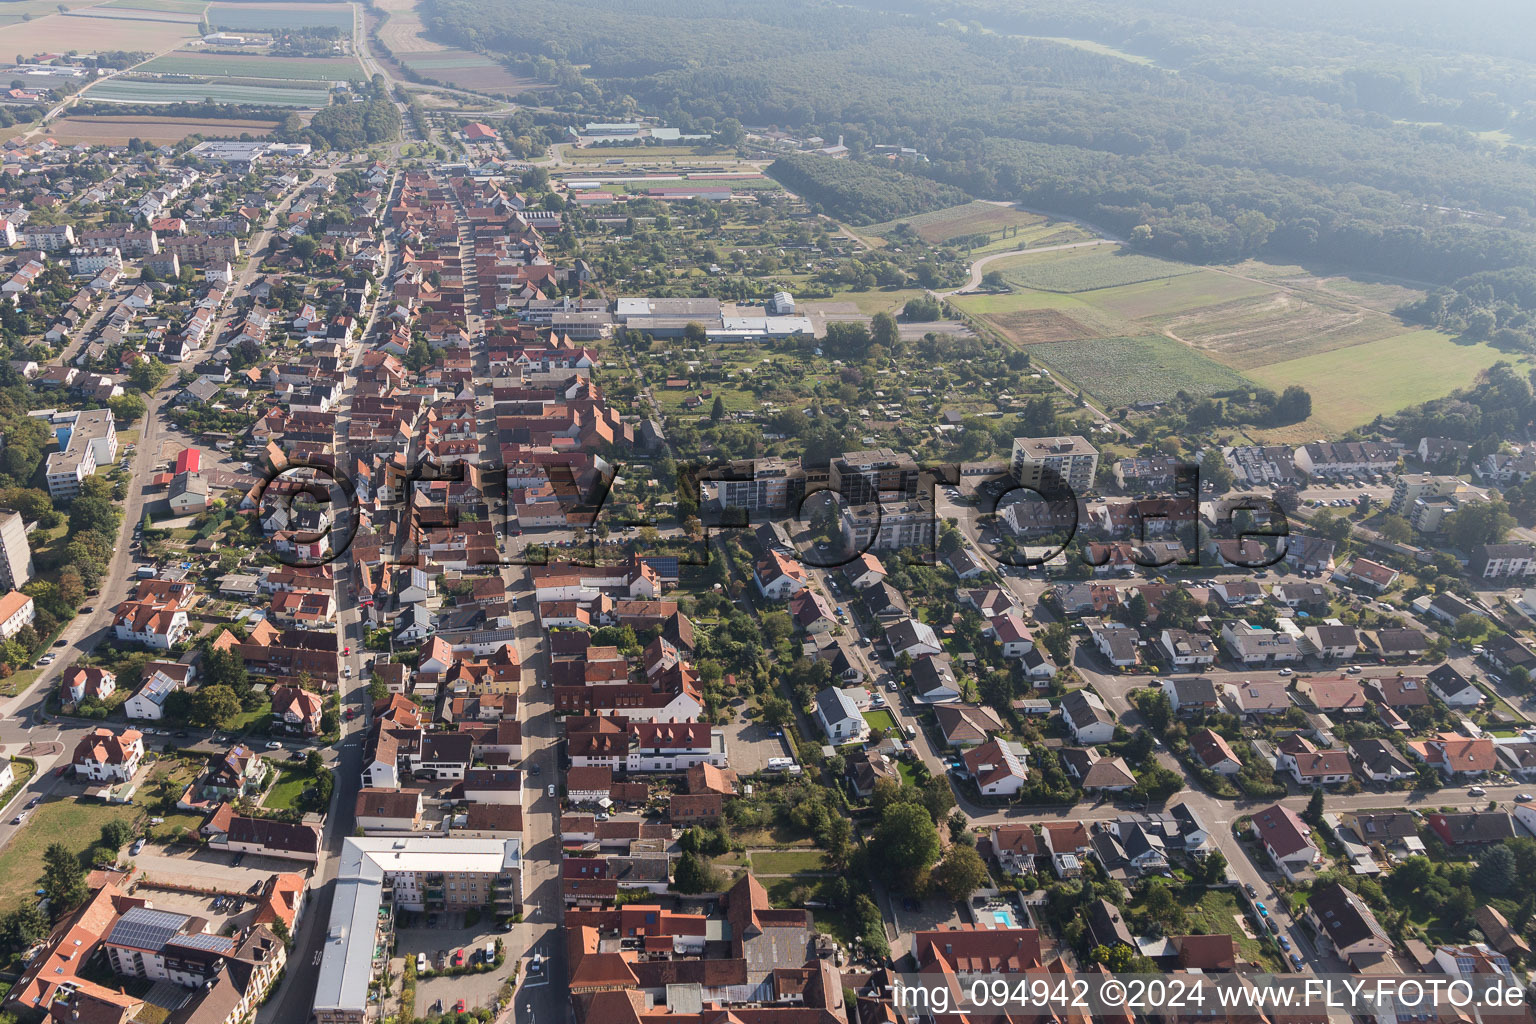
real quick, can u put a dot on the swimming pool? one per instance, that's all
(1003, 919)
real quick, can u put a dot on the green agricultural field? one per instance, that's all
(1086, 269)
(269, 18)
(970, 219)
(1170, 295)
(120, 90)
(301, 69)
(1120, 371)
(1351, 386)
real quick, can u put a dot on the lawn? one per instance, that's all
(291, 784)
(76, 824)
(22, 770)
(880, 720)
(1120, 371)
(787, 862)
(1351, 386)
(1216, 912)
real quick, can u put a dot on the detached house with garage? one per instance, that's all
(1310, 766)
(1287, 840)
(1456, 755)
(1086, 718)
(839, 717)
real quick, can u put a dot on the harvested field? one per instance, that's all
(64, 32)
(404, 33)
(180, 6)
(971, 219)
(1040, 327)
(118, 130)
(270, 17)
(220, 65)
(464, 69)
(1120, 371)
(1086, 269)
(1278, 327)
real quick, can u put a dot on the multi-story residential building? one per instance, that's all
(868, 476)
(201, 248)
(414, 873)
(1343, 458)
(775, 485)
(909, 525)
(90, 261)
(1055, 461)
(87, 440)
(15, 551)
(1409, 489)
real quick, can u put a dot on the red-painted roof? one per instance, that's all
(190, 460)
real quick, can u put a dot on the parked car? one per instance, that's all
(137, 847)
(1296, 961)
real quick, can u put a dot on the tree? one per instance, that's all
(921, 309)
(148, 374)
(1313, 815)
(63, 878)
(1396, 529)
(1495, 874)
(961, 872)
(994, 281)
(116, 834)
(1469, 626)
(127, 407)
(884, 332)
(23, 926)
(908, 842)
(1483, 522)
(871, 927)
(717, 411)
(214, 706)
(1213, 870)
(694, 333)
(694, 874)
(314, 762)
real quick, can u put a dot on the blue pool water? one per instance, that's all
(1003, 918)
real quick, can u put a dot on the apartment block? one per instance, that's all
(15, 551)
(1054, 461)
(87, 440)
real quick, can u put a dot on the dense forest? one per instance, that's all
(1196, 164)
(346, 125)
(861, 193)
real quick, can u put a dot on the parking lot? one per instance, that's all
(211, 868)
(229, 914)
(751, 744)
(439, 944)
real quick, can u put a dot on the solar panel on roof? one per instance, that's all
(142, 928)
(204, 940)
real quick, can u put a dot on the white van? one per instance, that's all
(421, 963)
